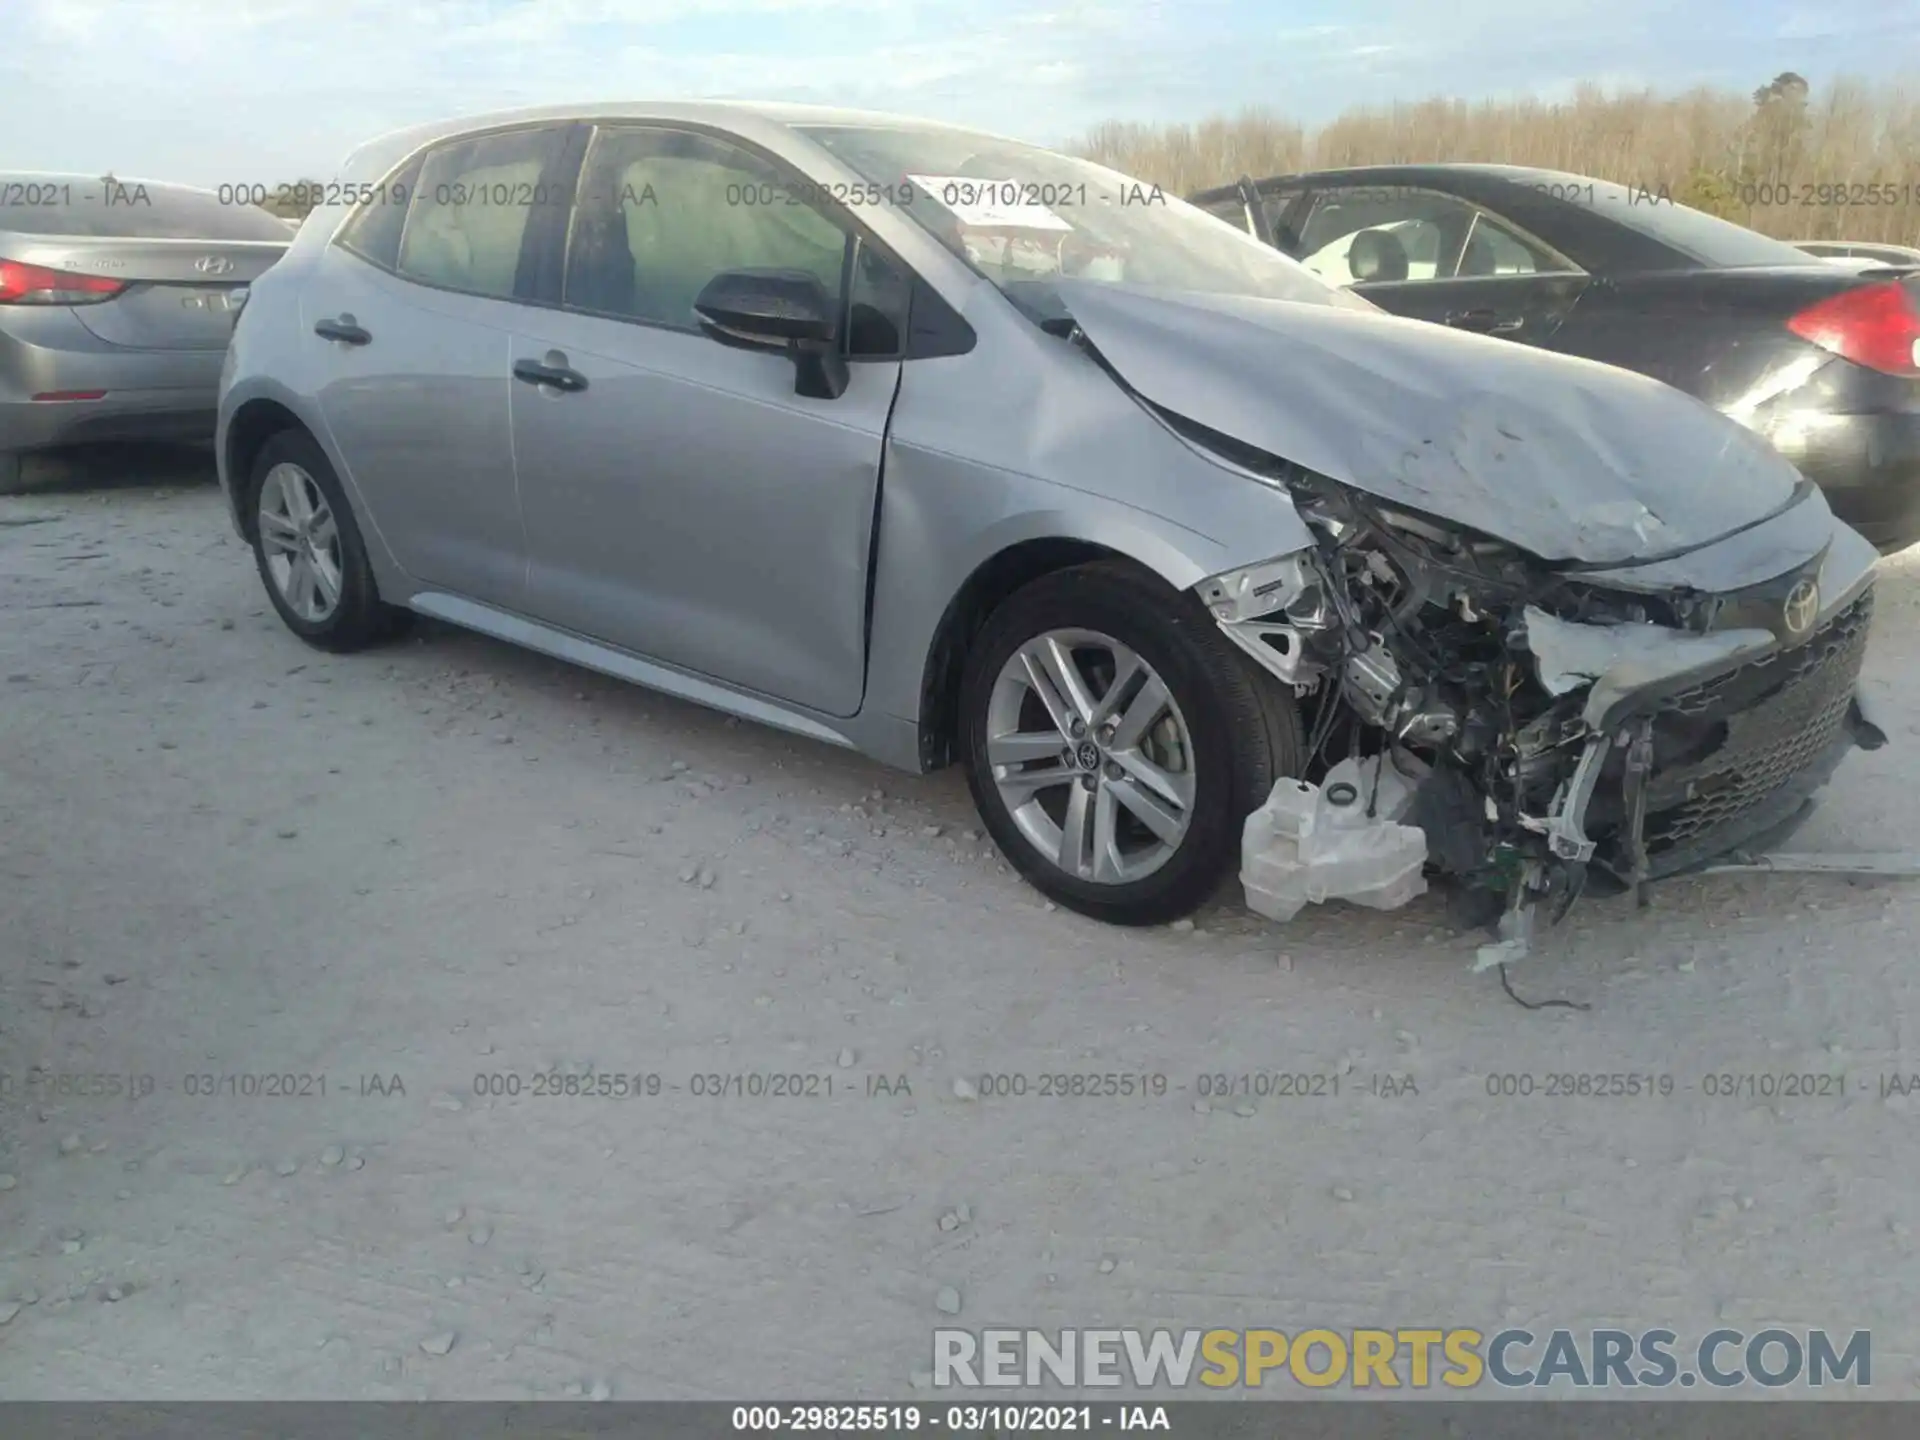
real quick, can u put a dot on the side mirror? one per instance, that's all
(786, 310)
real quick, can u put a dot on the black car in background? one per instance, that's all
(1823, 360)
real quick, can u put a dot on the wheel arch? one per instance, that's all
(246, 432)
(251, 414)
(1006, 571)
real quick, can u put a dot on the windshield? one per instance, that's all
(1705, 239)
(1023, 217)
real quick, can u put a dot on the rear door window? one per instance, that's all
(1414, 228)
(1694, 235)
(472, 206)
(373, 232)
(1496, 248)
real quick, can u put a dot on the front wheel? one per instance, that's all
(1115, 742)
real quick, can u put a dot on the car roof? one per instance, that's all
(1410, 171)
(744, 117)
(781, 112)
(66, 177)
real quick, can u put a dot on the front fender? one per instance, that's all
(936, 540)
(1026, 439)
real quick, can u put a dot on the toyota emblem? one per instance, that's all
(1801, 608)
(213, 265)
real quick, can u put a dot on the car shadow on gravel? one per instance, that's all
(120, 465)
(1599, 924)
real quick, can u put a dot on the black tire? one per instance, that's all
(361, 618)
(11, 471)
(1244, 726)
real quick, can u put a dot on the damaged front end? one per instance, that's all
(1530, 729)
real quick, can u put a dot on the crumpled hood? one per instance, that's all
(1567, 458)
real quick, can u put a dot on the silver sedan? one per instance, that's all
(117, 298)
(945, 447)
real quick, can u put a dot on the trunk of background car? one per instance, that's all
(177, 295)
(1719, 335)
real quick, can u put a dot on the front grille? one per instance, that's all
(1778, 721)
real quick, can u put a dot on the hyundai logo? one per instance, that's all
(1802, 607)
(213, 265)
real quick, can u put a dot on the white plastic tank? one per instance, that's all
(1339, 840)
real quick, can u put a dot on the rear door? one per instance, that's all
(1437, 257)
(409, 318)
(182, 257)
(683, 502)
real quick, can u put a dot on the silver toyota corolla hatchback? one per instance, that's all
(944, 447)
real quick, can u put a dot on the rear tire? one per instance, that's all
(308, 550)
(1157, 826)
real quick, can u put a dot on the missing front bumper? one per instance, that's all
(1784, 723)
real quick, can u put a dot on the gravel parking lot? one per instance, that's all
(426, 874)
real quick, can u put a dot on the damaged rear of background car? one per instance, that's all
(1525, 665)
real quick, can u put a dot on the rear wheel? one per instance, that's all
(1115, 742)
(309, 551)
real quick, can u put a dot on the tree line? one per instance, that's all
(1841, 165)
(1844, 164)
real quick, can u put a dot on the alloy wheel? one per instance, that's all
(300, 541)
(1091, 756)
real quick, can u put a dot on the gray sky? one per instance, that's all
(244, 91)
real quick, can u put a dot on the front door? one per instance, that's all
(682, 501)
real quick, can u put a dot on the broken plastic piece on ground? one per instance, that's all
(1517, 924)
(1868, 734)
(1500, 952)
(1339, 840)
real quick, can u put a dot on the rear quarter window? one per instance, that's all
(373, 231)
(128, 210)
(1703, 239)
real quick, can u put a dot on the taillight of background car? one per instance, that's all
(1874, 325)
(36, 285)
